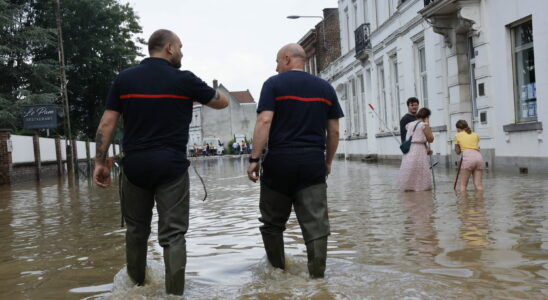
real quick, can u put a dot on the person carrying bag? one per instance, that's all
(405, 146)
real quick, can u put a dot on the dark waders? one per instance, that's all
(172, 203)
(310, 206)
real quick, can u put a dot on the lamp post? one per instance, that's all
(323, 25)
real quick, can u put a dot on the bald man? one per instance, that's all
(155, 100)
(298, 117)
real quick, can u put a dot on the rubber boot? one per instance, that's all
(316, 251)
(274, 246)
(175, 261)
(136, 258)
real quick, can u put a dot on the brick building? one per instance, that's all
(321, 53)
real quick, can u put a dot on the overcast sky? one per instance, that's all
(233, 41)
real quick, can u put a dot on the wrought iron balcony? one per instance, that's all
(427, 2)
(363, 41)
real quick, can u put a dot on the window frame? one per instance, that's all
(421, 74)
(381, 94)
(515, 50)
(394, 71)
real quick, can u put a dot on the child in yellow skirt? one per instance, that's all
(466, 142)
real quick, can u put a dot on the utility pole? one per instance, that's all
(71, 166)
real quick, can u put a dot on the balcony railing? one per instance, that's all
(363, 41)
(427, 2)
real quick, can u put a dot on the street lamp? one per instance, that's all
(323, 26)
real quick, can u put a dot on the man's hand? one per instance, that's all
(101, 176)
(327, 169)
(429, 152)
(253, 171)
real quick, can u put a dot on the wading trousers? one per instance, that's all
(310, 206)
(172, 203)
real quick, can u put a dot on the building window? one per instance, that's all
(524, 72)
(362, 103)
(382, 95)
(348, 112)
(365, 17)
(422, 76)
(395, 91)
(310, 66)
(347, 25)
(473, 82)
(355, 13)
(355, 109)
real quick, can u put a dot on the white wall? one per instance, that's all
(47, 149)
(81, 149)
(23, 149)
(529, 143)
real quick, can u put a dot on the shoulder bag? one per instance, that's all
(405, 146)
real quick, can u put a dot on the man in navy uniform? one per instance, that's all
(299, 119)
(155, 100)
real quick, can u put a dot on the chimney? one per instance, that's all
(215, 84)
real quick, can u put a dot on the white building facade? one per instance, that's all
(485, 61)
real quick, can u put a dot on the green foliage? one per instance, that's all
(228, 147)
(24, 79)
(99, 42)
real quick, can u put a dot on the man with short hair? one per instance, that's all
(412, 108)
(155, 100)
(299, 116)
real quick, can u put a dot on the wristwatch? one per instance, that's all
(254, 160)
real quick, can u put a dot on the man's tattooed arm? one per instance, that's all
(104, 135)
(99, 153)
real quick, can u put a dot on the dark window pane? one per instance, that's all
(524, 33)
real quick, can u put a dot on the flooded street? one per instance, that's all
(64, 241)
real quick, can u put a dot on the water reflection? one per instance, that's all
(474, 226)
(420, 235)
(62, 239)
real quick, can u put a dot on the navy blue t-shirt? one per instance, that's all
(302, 104)
(155, 100)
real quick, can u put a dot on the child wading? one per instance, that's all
(466, 142)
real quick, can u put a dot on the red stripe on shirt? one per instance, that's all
(128, 96)
(304, 99)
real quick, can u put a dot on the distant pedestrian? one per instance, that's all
(410, 116)
(299, 118)
(235, 147)
(415, 172)
(466, 142)
(244, 148)
(204, 150)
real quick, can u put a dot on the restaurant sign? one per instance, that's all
(39, 116)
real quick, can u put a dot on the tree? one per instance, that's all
(99, 42)
(24, 79)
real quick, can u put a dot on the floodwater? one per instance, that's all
(64, 241)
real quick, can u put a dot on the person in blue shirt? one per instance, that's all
(298, 116)
(155, 100)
